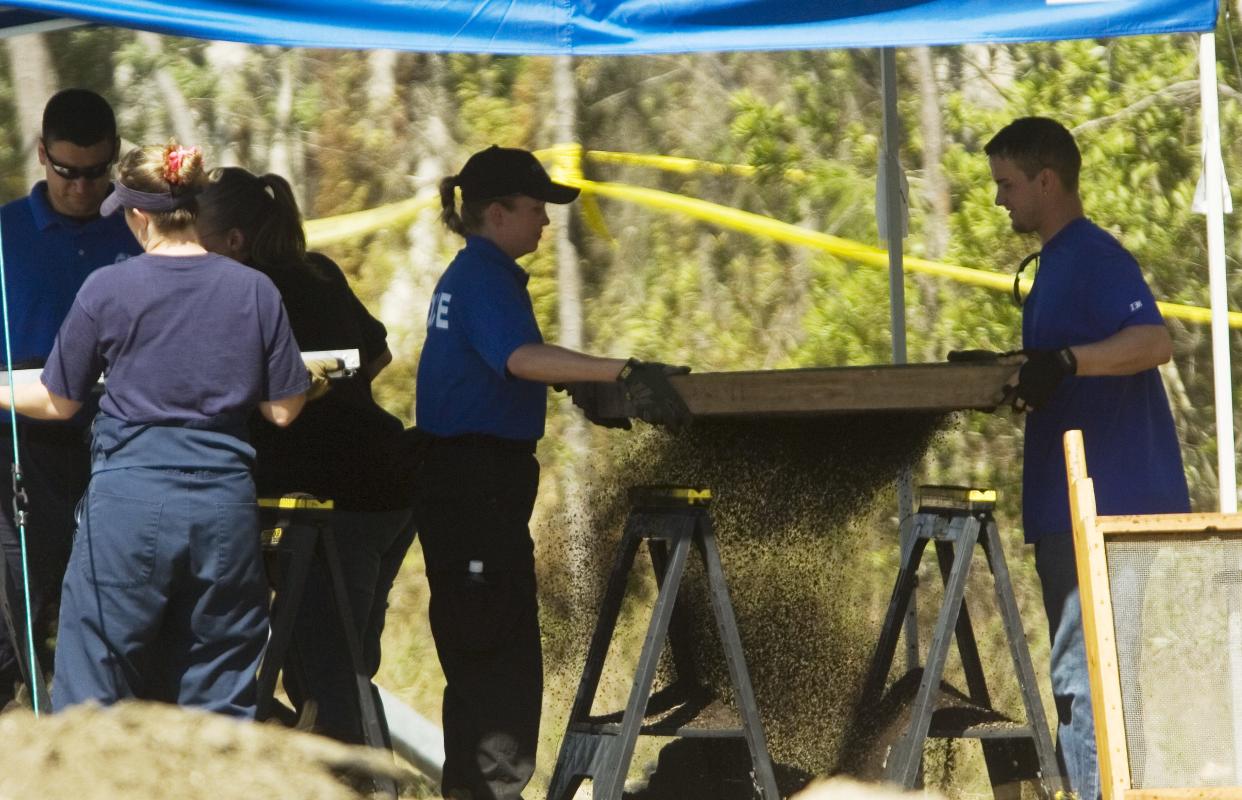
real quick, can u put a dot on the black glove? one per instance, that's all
(1039, 377)
(586, 397)
(654, 398)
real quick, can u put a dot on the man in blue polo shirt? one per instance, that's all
(1093, 338)
(53, 238)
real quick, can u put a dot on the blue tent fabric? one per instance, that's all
(621, 27)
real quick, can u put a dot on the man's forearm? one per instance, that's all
(1129, 351)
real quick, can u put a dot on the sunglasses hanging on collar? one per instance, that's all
(1018, 299)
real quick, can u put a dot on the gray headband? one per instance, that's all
(124, 197)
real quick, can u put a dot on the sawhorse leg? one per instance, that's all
(31, 672)
(906, 761)
(1012, 751)
(907, 577)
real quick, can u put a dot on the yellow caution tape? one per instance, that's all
(331, 230)
(846, 249)
(566, 167)
(296, 501)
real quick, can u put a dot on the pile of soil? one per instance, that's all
(145, 751)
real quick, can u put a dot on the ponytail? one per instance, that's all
(278, 240)
(470, 219)
(448, 207)
(264, 210)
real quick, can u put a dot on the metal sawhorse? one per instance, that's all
(956, 519)
(296, 530)
(670, 520)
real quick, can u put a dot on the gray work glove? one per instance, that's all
(654, 398)
(586, 397)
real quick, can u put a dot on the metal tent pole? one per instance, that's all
(1214, 207)
(893, 226)
(1213, 181)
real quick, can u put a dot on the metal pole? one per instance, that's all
(894, 231)
(414, 737)
(1213, 180)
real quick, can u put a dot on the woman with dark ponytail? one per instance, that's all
(164, 597)
(343, 446)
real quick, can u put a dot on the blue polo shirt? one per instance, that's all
(47, 257)
(1088, 288)
(480, 313)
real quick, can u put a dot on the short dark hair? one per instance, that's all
(1035, 143)
(79, 116)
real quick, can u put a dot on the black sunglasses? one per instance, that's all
(1017, 276)
(91, 173)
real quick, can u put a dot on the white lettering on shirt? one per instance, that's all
(438, 315)
(1136, 305)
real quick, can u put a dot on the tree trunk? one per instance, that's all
(228, 61)
(34, 81)
(935, 185)
(180, 118)
(382, 86)
(280, 158)
(403, 305)
(569, 321)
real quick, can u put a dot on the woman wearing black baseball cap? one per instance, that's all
(482, 398)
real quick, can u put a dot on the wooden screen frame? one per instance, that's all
(1090, 532)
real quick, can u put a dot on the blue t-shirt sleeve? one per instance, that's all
(286, 373)
(1119, 295)
(75, 362)
(498, 321)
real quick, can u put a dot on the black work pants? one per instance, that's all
(56, 468)
(474, 505)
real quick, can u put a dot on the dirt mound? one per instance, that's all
(135, 751)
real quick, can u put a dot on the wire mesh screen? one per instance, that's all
(1177, 613)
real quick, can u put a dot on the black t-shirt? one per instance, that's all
(342, 446)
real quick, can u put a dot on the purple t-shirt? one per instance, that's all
(179, 339)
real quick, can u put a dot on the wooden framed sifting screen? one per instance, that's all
(1162, 620)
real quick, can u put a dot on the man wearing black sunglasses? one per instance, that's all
(53, 238)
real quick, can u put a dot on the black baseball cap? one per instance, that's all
(503, 171)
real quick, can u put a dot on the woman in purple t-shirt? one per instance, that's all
(164, 597)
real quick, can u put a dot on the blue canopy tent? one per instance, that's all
(631, 27)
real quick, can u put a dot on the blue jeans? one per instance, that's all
(1071, 686)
